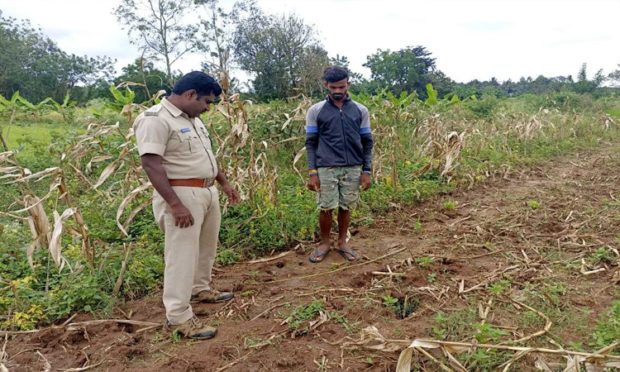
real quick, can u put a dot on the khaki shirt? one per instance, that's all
(183, 143)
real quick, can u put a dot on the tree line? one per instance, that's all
(281, 54)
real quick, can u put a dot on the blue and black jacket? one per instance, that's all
(338, 137)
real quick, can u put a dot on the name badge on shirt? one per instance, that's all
(185, 130)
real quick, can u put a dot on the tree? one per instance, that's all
(145, 73)
(441, 83)
(343, 61)
(405, 70)
(313, 62)
(34, 65)
(583, 85)
(217, 26)
(614, 77)
(281, 52)
(156, 26)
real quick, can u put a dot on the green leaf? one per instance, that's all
(432, 95)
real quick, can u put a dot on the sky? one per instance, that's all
(470, 40)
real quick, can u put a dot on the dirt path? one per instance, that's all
(508, 238)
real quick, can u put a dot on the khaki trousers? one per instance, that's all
(189, 252)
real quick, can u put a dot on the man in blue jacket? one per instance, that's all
(339, 148)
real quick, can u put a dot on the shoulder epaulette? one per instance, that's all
(153, 111)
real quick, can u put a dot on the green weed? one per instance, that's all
(303, 313)
(339, 318)
(227, 257)
(487, 333)
(388, 300)
(533, 204)
(431, 277)
(499, 287)
(424, 261)
(607, 330)
(449, 205)
(602, 255)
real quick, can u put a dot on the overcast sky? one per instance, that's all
(470, 39)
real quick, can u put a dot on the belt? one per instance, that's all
(192, 182)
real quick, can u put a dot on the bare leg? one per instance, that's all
(325, 223)
(344, 217)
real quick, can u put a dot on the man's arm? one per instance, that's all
(367, 143)
(232, 194)
(312, 142)
(151, 164)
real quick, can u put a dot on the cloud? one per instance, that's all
(474, 39)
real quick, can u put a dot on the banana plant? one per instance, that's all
(32, 108)
(63, 107)
(121, 99)
(124, 101)
(4, 104)
(433, 100)
(10, 105)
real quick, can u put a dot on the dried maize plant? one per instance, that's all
(42, 234)
(37, 219)
(452, 152)
(386, 138)
(123, 226)
(231, 149)
(299, 113)
(444, 354)
(263, 178)
(393, 140)
(532, 127)
(248, 169)
(606, 121)
(442, 147)
(92, 142)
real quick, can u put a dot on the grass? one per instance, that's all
(607, 329)
(302, 313)
(424, 262)
(533, 204)
(449, 205)
(26, 137)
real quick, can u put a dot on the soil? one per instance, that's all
(495, 226)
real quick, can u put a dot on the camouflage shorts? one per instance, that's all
(340, 187)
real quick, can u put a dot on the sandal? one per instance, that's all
(318, 256)
(349, 254)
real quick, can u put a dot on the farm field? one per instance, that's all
(491, 223)
(512, 260)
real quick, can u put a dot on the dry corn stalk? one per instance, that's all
(135, 192)
(38, 220)
(452, 148)
(371, 338)
(299, 113)
(39, 226)
(55, 246)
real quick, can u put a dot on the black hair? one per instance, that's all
(202, 83)
(335, 73)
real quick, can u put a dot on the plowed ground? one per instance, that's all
(515, 237)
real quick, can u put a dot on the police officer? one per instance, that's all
(176, 154)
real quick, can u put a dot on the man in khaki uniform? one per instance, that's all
(176, 154)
